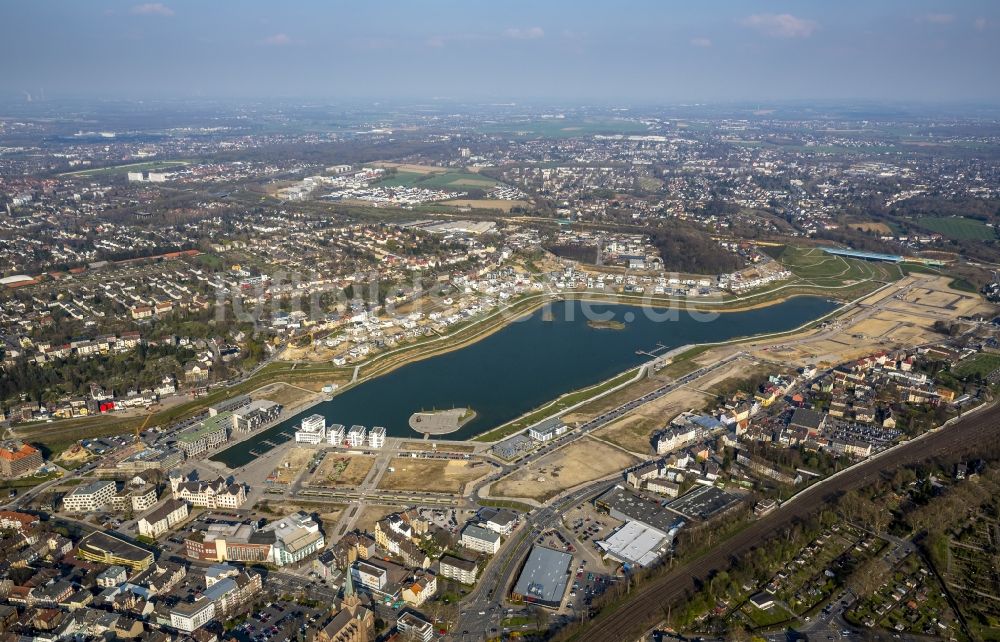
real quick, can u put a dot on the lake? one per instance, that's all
(528, 363)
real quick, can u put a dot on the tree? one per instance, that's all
(868, 577)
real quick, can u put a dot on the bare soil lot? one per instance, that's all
(285, 394)
(432, 475)
(294, 461)
(582, 461)
(634, 431)
(338, 469)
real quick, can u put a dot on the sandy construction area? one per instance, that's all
(582, 461)
(432, 475)
(902, 319)
(284, 394)
(294, 461)
(338, 469)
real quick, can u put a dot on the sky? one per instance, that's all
(628, 51)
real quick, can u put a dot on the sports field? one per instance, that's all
(956, 227)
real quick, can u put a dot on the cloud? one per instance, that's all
(782, 25)
(435, 42)
(277, 40)
(531, 33)
(980, 24)
(701, 42)
(936, 18)
(151, 9)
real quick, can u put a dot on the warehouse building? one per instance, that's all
(544, 578)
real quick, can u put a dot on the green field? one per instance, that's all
(955, 227)
(815, 267)
(981, 364)
(131, 167)
(449, 179)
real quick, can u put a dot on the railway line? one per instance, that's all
(645, 608)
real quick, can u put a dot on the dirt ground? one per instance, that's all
(432, 475)
(905, 319)
(292, 464)
(338, 469)
(371, 514)
(73, 455)
(486, 203)
(284, 394)
(582, 461)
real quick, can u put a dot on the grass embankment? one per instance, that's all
(555, 407)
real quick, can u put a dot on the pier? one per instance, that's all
(652, 353)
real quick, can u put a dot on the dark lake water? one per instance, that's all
(527, 364)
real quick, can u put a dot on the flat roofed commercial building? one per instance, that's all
(107, 549)
(548, 429)
(635, 543)
(544, 578)
(624, 505)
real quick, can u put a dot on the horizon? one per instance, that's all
(903, 52)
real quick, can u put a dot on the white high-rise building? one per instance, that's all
(356, 436)
(312, 430)
(376, 437)
(335, 434)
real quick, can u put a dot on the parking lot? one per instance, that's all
(279, 622)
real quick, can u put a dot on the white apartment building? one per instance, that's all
(312, 430)
(335, 434)
(480, 539)
(89, 497)
(376, 437)
(356, 436)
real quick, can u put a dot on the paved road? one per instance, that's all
(644, 609)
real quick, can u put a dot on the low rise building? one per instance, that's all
(18, 458)
(478, 538)
(312, 430)
(459, 569)
(161, 519)
(89, 498)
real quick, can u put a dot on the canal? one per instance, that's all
(529, 363)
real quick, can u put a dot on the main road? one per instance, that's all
(644, 608)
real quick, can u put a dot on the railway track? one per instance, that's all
(646, 607)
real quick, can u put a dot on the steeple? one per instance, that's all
(351, 601)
